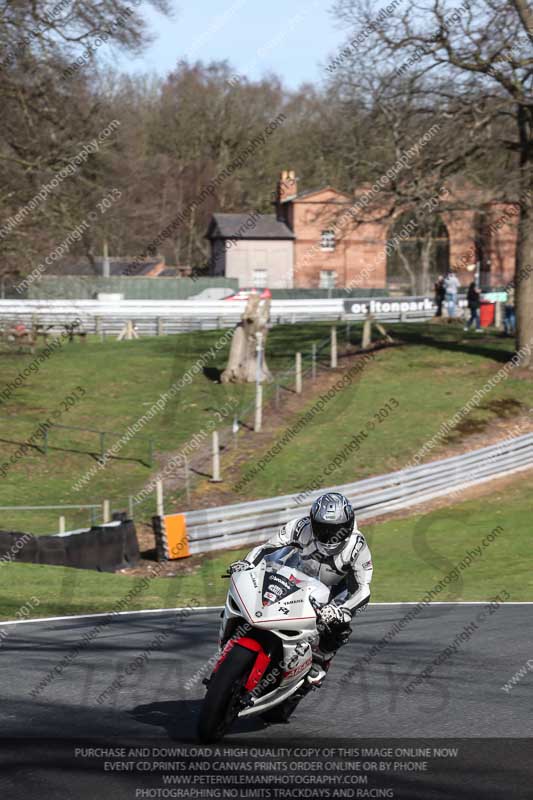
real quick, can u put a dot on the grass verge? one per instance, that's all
(411, 556)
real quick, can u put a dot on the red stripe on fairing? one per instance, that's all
(260, 664)
(270, 619)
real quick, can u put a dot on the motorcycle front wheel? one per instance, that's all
(222, 702)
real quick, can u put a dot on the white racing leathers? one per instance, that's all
(348, 572)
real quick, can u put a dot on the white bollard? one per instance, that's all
(106, 514)
(61, 524)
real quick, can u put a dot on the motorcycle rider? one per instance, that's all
(335, 552)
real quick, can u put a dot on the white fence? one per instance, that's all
(152, 317)
(247, 523)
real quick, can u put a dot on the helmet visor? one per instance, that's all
(331, 534)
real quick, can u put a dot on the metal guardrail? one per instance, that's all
(154, 317)
(236, 525)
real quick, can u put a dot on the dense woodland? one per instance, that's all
(395, 78)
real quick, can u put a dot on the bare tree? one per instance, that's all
(475, 55)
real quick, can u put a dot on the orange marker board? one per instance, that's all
(177, 542)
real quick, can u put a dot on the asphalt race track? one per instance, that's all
(461, 700)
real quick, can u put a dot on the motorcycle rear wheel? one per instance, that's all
(222, 702)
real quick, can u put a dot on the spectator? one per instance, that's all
(440, 294)
(473, 299)
(451, 285)
(509, 322)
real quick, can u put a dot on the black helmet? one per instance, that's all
(332, 521)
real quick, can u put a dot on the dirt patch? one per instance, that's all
(505, 408)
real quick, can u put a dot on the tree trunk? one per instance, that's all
(524, 259)
(242, 362)
(424, 283)
(409, 271)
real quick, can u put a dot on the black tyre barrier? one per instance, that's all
(51, 550)
(83, 550)
(110, 547)
(106, 548)
(131, 545)
(6, 542)
(29, 545)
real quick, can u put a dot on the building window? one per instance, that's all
(260, 278)
(328, 278)
(327, 241)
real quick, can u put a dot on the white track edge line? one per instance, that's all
(204, 609)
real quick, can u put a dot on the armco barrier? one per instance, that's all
(246, 523)
(105, 548)
(173, 316)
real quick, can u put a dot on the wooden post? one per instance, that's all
(61, 524)
(160, 511)
(216, 459)
(106, 514)
(298, 373)
(367, 333)
(187, 479)
(258, 422)
(313, 363)
(334, 347)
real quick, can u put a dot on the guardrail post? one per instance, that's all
(61, 524)
(216, 459)
(106, 514)
(333, 347)
(159, 498)
(298, 373)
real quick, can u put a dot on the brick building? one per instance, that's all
(311, 242)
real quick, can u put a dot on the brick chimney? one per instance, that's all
(287, 186)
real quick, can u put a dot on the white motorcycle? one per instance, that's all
(269, 627)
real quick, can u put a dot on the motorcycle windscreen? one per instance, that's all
(277, 586)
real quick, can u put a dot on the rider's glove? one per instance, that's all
(240, 566)
(332, 615)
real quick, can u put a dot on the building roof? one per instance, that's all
(247, 226)
(311, 192)
(117, 266)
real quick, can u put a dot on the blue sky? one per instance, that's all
(289, 37)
